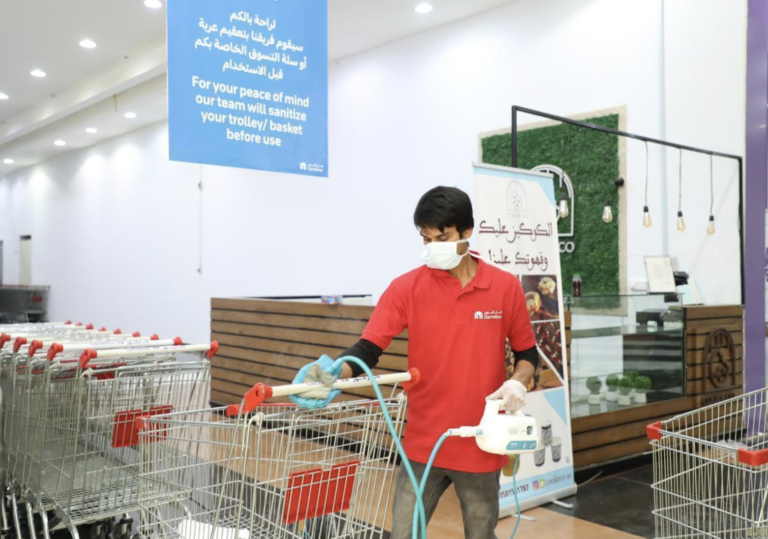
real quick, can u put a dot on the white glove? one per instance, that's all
(512, 394)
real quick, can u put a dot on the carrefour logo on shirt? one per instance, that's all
(488, 315)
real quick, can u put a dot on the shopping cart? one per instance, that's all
(13, 364)
(710, 471)
(23, 303)
(271, 470)
(71, 445)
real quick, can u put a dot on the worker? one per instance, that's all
(459, 312)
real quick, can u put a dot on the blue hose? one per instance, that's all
(420, 493)
(429, 468)
(419, 515)
(403, 457)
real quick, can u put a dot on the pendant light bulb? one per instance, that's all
(680, 221)
(711, 225)
(562, 212)
(646, 217)
(607, 213)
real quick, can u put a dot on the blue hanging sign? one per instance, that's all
(248, 84)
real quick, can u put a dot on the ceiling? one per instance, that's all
(95, 87)
(355, 26)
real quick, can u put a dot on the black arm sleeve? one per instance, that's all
(531, 356)
(366, 351)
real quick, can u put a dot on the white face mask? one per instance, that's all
(443, 255)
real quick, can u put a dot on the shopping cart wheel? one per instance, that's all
(98, 531)
(123, 529)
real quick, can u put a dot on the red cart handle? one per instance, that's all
(20, 341)
(55, 348)
(654, 431)
(34, 347)
(86, 357)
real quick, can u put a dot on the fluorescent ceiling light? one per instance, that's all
(423, 8)
(37, 73)
(130, 115)
(153, 4)
(60, 143)
(8, 161)
(3, 96)
(91, 130)
(87, 44)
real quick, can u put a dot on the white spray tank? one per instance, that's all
(502, 433)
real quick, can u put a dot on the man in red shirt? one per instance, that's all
(459, 311)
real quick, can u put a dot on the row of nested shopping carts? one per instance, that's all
(100, 429)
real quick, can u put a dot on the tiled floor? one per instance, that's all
(618, 506)
(554, 524)
(621, 502)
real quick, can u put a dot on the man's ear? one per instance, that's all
(467, 234)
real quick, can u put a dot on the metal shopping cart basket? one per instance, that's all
(710, 471)
(72, 447)
(271, 470)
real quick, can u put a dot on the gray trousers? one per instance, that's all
(478, 495)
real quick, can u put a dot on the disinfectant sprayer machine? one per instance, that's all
(502, 433)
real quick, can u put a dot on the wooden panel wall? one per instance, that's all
(714, 357)
(268, 341)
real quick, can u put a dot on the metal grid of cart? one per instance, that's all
(279, 472)
(710, 471)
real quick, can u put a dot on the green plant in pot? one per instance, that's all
(594, 384)
(625, 388)
(612, 382)
(641, 385)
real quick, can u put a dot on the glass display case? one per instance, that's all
(626, 350)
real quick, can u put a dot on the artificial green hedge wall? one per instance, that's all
(591, 160)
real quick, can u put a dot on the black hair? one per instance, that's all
(441, 207)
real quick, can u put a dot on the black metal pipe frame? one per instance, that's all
(608, 130)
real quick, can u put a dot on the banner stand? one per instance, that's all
(516, 219)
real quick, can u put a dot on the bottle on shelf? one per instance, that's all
(576, 284)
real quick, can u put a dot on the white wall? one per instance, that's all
(705, 96)
(116, 228)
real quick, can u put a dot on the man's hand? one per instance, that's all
(512, 394)
(322, 370)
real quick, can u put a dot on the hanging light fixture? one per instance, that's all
(646, 217)
(562, 212)
(646, 214)
(711, 225)
(607, 213)
(680, 220)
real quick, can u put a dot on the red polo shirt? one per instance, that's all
(456, 338)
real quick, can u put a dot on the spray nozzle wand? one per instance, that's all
(465, 432)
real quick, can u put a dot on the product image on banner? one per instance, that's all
(548, 339)
(541, 296)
